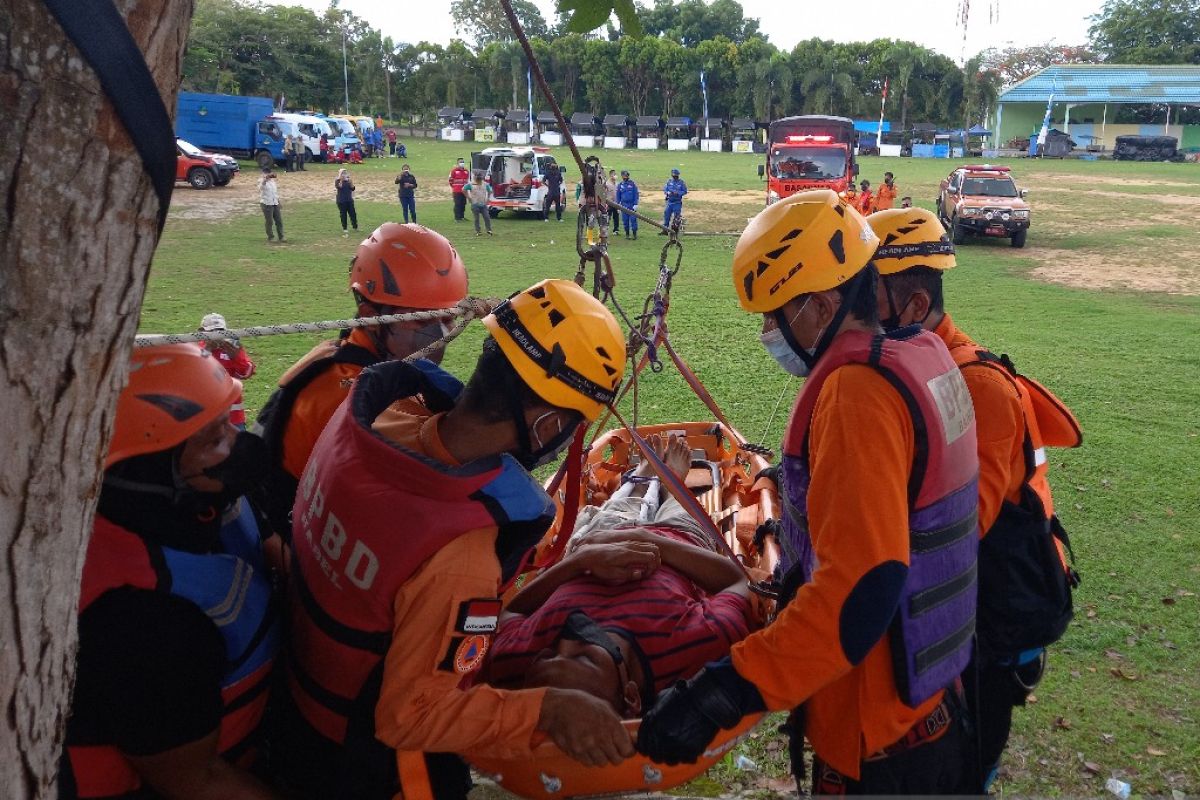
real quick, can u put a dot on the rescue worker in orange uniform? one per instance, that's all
(1017, 419)
(878, 537)
(178, 626)
(885, 195)
(399, 268)
(408, 522)
(866, 201)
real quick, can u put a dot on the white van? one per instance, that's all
(517, 175)
(309, 129)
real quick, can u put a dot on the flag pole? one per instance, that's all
(879, 130)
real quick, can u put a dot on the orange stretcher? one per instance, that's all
(722, 480)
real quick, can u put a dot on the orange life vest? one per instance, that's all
(232, 588)
(1025, 577)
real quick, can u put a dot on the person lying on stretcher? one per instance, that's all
(632, 607)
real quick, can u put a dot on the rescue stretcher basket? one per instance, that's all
(723, 479)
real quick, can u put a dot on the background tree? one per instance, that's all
(674, 66)
(636, 60)
(903, 59)
(602, 78)
(828, 85)
(1013, 64)
(1148, 31)
(484, 20)
(67, 334)
(981, 90)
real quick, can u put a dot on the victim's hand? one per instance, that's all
(615, 563)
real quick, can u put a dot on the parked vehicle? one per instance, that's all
(809, 152)
(347, 133)
(517, 175)
(983, 200)
(237, 126)
(309, 128)
(202, 170)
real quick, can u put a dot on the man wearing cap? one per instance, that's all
(627, 196)
(878, 481)
(391, 615)
(673, 192)
(1017, 419)
(233, 358)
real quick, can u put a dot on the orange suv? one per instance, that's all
(983, 200)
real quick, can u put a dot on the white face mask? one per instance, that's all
(779, 349)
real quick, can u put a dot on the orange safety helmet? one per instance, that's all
(910, 237)
(564, 343)
(408, 265)
(810, 242)
(174, 390)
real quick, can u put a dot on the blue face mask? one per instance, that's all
(787, 358)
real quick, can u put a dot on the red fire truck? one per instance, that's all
(809, 152)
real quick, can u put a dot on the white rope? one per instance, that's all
(470, 308)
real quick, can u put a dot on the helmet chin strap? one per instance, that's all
(831, 330)
(517, 412)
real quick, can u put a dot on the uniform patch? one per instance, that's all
(478, 616)
(470, 653)
(953, 401)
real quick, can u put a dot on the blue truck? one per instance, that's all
(224, 123)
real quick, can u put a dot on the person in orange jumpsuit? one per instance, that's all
(1016, 420)
(885, 195)
(408, 522)
(879, 539)
(397, 269)
(866, 200)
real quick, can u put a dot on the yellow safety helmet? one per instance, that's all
(910, 237)
(564, 343)
(809, 242)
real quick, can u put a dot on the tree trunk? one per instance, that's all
(77, 232)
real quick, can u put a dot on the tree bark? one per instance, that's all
(77, 232)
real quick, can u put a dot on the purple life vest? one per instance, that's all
(933, 626)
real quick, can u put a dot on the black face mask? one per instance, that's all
(579, 627)
(892, 321)
(245, 469)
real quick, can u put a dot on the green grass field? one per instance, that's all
(1102, 306)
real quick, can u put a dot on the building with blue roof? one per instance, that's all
(1086, 99)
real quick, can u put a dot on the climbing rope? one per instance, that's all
(465, 311)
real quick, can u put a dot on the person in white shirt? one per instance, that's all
(268, 198)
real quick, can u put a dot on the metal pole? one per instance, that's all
(1167, 125)
(387, 77)
(345, 71)
(1103, 125)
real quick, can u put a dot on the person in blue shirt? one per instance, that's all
(674, 190)
(627, 195)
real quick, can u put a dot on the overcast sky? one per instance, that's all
(993, 23)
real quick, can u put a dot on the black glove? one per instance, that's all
(686, 717)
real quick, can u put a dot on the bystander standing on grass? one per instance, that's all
(478, 192)
(345, 199)
(268, 200)
(408, 192)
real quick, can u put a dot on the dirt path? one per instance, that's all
(314, 184)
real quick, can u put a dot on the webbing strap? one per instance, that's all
(103, 39)
(569, 473)
(681, 493)
(413, 775)
(698, 387)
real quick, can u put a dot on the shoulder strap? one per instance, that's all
(278, 409)
(104, 41)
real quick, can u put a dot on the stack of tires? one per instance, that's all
(1146, 148)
